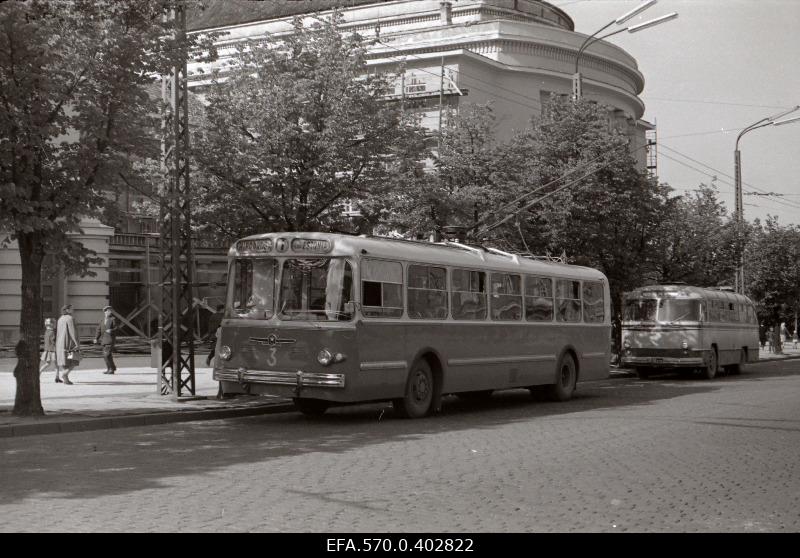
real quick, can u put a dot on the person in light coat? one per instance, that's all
(66, 343)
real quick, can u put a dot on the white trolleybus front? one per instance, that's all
(330, 319)
(668, 327)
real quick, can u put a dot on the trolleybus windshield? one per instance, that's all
(319, 289)
(316, 289)
(662, 310)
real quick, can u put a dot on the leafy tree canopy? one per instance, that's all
(293, 128)
(73, 107)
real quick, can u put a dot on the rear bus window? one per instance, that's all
(506, 296)
(469, 295)
(568, 300)
(538, 299)
(593, 302)
(381, 289)
(427, 292)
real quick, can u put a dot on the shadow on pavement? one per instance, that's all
(119, 461)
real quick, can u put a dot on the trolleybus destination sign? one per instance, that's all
(266, 245)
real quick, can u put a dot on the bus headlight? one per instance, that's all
(225, 352)
(626, 344)
(324, 357)
(685, 345)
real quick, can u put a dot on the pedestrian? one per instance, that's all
(784, 333)
(49, 345)
(762, 335)
(214, 322)
(67, 345)
(106, 335)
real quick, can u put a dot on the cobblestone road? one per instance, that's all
(666, 455)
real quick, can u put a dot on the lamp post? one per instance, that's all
(737, 162)
(577, 82)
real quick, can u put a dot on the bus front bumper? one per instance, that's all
(276, 377)
(673, 359)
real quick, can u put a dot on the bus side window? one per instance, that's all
(427, 292)
(538, 299)
(593, 303)
(506, 297)
(468, 296)
(568, 300)
(381, 289)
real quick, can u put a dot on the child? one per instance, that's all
(49, 345)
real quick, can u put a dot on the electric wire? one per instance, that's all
(715, 177)
(758, 191)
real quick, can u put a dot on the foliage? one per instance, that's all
(73, 107)
(697, 241)
(772, 271)
(294, 128)
(465, 179)
(582, 195)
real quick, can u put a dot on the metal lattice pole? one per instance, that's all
(176, 322)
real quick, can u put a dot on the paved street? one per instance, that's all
(668, 455)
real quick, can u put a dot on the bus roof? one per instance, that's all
(451, 254)
(687, 291)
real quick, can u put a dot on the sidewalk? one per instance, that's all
(128, 398)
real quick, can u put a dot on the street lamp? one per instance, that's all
(577, 84)
(737, 158)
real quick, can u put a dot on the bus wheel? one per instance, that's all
(311, 407)
(566, 377)
(643, 373)
(711, 366)
(419, 392)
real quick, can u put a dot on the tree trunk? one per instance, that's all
(28, 400)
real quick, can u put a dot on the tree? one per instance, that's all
(697, 241)
(772, 270)
(73, 106)
(295, 128)
(581, 194)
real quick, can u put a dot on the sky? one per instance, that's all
(719, 67)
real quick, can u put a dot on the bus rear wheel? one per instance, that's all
(416, 402)
(311, 407)
(566, 378)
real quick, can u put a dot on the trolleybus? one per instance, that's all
(329, 319)
(684, 327)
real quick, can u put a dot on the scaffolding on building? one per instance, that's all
(651, 137)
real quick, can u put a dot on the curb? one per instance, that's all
(144, 419)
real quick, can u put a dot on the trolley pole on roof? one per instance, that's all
(176, 319)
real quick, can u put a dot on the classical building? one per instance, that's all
(515, 53)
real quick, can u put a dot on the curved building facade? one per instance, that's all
(514, 53)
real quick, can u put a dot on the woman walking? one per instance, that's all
(66, 344)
